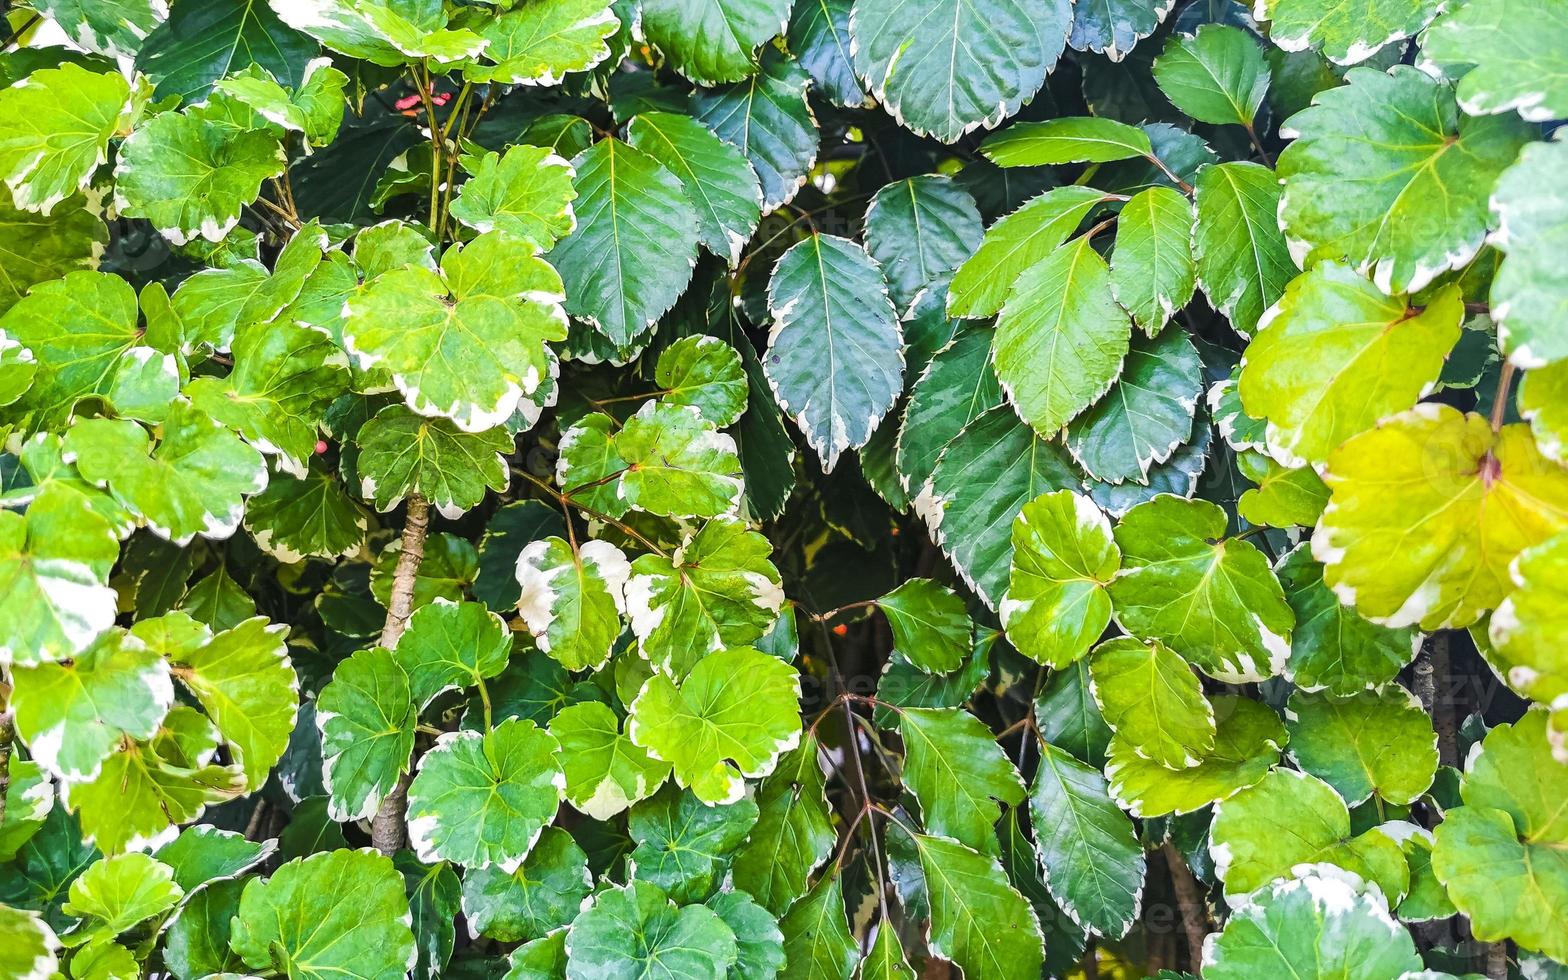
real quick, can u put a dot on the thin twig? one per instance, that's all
(1500, 400)
(1186, 188)
(597, 515)
(7, 736)
(1257, 144)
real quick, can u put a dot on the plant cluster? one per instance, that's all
(811, 488)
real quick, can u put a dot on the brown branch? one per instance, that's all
(386, 827)
(1189, 899)
(7, 736)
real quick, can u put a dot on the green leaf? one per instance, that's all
(314, 517)
(1313, 926)
(716, 177)
(1213, 600)
(480, 800)
(1427, 900)
(449, 645)
(539, 43)
(606, 772)
(1152, 270)
(731, 718)
(244, 681)
(572, 599)
(331, 914)
(200, 43)
(367, 719)
(29, 796)
(683, 844)
(137, 798)
(285, 376)
(1457, 501)
(54, 571)
(958, 773)
(1336, 355)
(1114, 27)
(1247, 740)
(1243, 261)
(512, 527)
(723, 592)
(632, 252)
(1543, 402)
(118, 892)
(1145, 416)
(677, 464)
(1501, 855)
(541, 959)
(1376, 742)
(110, 27)
(541, 895)
(36, 248)
(712, 41)
(768, 119)
(1400, 138)
(55, 127)
(1284, 497)
(835, 354)
(1513, 62)
(191, 173)
(382, 32)
(886, 960)
(1344, 36)
(467, 344)
(1093, 863)
(970, 896)
(1074, 139)
(1217, 75)
(1063, 558)
(945, 67)
(73, 714)
(1524, 630)
(1529, 292)
(193, 482)
(1153, 702)
(817, 942)
(636, 931)
(706, 374)
(819, 38)
(1061, 338)
(434, 897)
(971, 519)
(82, 332)
(1332, 647)
(1014, 244)
(931, 627)
(793, 833)
(758, 940)
(526, 194)
(953, 390)
(402, 453)
(204, 855)
(30, 946)
(1288, 822)
(920, 230)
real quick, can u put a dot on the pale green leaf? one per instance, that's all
(1373, 743)
(970, 896)
(706, 374)
(403, 453)
(730, 718)
(537, 43)
(1217, 75)
(1014, 244)
(1243, 261)
(1345, 36)
(1248, 737)
(1061, 338)
(1428, 510)
(572, 599)
(683, 844)
(931, 627)
(1152, 701)
(541, 895)
(606, 772)
(54, 572)
(55, 127)
(1152, 269)
(958, 773)
(1063, 559)
(1387, 176)
(1515, 57)
(448, 645)
(1213, 600)
(336, 914)
(481, 799)
(1073, 139)
(526, 193)
(636, 931)
(1530, 293)
(367, 719)
(1332, 647)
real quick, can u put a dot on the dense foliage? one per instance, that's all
(734, 488)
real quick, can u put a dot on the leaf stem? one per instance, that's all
(484, 702)
(824, 617)
(16, 35)
(7, 737)
(1186, 188)
(437, 145)
(1505, 382)
(624, 528)
(1257, 144)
